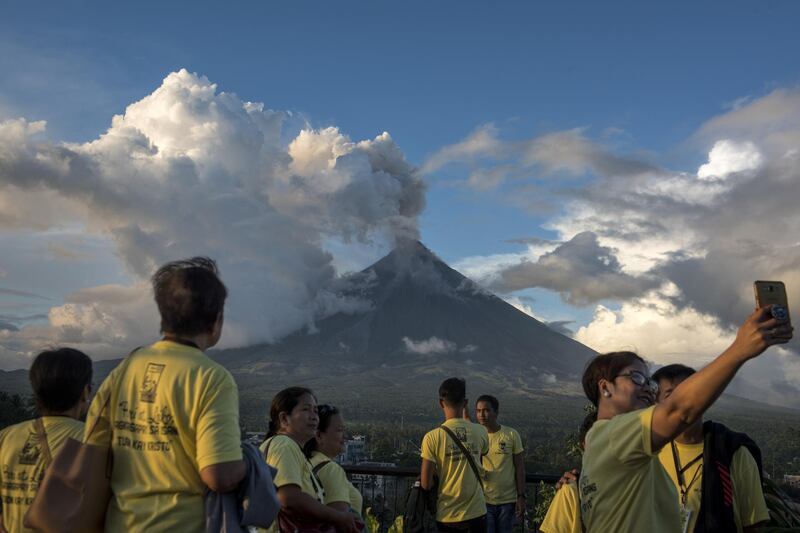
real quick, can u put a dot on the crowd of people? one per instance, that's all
(170, 417)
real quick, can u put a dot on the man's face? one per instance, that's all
(485, 414)
(665, 388)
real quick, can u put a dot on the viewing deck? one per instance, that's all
(385, 489)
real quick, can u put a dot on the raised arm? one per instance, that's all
(694, 395)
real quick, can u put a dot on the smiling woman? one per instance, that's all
(622, 485)
(293, 422)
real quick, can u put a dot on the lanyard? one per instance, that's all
(681, 470)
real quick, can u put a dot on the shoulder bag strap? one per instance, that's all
(42, 434)
(317, 468)
(466, 452)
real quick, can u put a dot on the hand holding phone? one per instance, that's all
(773, 293)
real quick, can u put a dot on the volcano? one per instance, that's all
(410, 315)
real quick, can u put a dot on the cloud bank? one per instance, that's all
(190, 170)
(667, 257)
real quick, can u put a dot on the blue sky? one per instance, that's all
(428, 73)
(569, 97)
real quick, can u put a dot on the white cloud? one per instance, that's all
(657, 329)
(482, 142)
(191, 170)
(728, 157)
(431, 346)
(663, 333)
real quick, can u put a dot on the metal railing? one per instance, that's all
(385, 488)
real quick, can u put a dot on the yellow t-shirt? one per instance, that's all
(501, 484)
(460, 494)
(623, 486)
(22, 463)
(335, 483)
(563, 515)
(749, 507)
(175, 412)
(293, 467)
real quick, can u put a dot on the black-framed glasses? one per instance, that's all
(640, 380)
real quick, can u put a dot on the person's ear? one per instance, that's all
(283, 419)
(441, 403)
(604, 388)
(86, 393)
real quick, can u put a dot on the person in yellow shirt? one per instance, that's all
(61, 382)
(461, 505)
(623, 486)
(171, 413)
(505, 469)
(564, 515)
(688, 462)
(328, 443)
(293, 421)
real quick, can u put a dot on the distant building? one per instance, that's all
(254, 437)
(371, 483)
(792, 481)
(355, 451)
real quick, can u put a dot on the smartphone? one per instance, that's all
(772, 293)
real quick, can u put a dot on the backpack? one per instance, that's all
(716, 508)
(420, 512)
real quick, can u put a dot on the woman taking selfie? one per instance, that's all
(322, 450)
(292, 423)
(622, 484)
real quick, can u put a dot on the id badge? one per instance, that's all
(686, 516)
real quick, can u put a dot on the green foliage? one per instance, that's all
(546, 494)
(14, 409)
(784, 513)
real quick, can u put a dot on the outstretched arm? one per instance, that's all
(693, 396)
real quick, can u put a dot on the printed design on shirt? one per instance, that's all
(502, 447)
(461, 433)
(144, 422)
(29, 455)
(152, 376)
(587, 491)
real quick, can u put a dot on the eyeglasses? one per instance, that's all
(640, 380)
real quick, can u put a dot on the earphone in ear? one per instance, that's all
(606, 393)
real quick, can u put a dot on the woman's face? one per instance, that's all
(630, 389)
(302, 422)
(331, 441)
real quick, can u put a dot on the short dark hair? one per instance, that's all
(586, 425)
(605, 366)
(453, 391)
(190, 296)
(58, 378)
(491, 400)
(673, 373)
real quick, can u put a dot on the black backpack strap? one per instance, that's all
(466, 453)
(317, 468)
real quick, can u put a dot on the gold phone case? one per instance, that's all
(771, 293)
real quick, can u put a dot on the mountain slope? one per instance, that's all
(411, 308)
